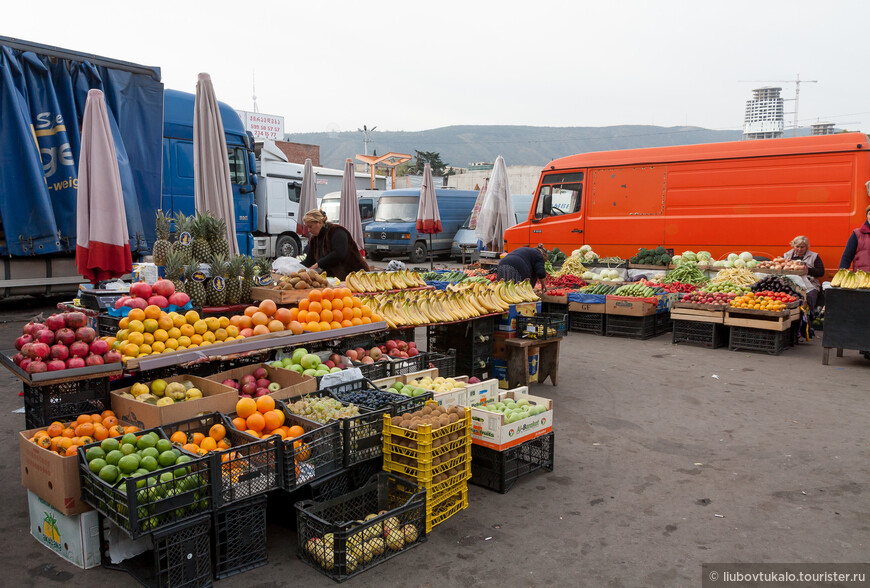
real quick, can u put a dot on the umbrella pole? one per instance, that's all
(431, 259)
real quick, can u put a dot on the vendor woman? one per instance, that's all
(524, 263)
(331, 247)
(800, 250)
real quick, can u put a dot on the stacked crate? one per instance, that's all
(473, 342)
(437, 459)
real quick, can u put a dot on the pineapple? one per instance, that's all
(217, 239)
(175, 262)
(162, 244)
(264, 269)
(200, 249)
(235, 269)
(217, 264)
(182, 225)
(249, 271)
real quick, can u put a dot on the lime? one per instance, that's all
(176, 451)
(150, 463)
(149, 452)
(183, 459)
(146, 442)
(128, 438)
(163, 445)
(141, 471)
(166, 477)
(181, 472)
(166, 459)
(97, 464)
(127, 448)
(109, 473)
(128, 464)
(114, 456)
(95, 453)
(110, 444)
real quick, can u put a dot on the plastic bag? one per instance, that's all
(342, 377)
(287, 265)
(395, 266)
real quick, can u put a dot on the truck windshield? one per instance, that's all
(331, 207)
(467, 223)
(397, 209)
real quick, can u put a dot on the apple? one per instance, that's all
(263, 383)
(261, 373)
(163, 288)
(55, 322)
(231, 383)
(274, 387)
(341, 366)
(351, 354)
(245, 396)
(383, 349)
(159, 301)
(45, 336)
(39, 351)
(179, 299)
(375, 353)
(394, 352)
(297, 368)
(247, 378)
(412, 344)
(412, 352)
(329, 363)
(403, 346)
(136, 303)
(473, 380)
(65, 336)
(79, 349)
(367, 359)
(37, 367)
(74, 320)
(335, 359)
(249, 388)
(261, 392)
(94, 360)
(360, 352)
(59, 351)
(391, 345)
(140, 290)
(86, 334)
(112, 356)
(22, 341)
(99, 347)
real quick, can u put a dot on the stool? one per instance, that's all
(518, 360)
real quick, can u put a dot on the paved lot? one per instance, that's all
(666, 457)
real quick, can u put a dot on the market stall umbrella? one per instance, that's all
(102, 242)
(428, 217)
(212, 188)
(348, 214)
(307, 198)
(497, 213)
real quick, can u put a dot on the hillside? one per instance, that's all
(519, 145)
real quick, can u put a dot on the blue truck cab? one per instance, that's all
(393, 233)
(178, 191)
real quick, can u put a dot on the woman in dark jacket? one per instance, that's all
(525, 263)
(331, 247)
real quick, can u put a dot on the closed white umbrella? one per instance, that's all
(428, 217)
(212, 188)
(348, 214)
(307, 198)
(496, 214)
(102, 241)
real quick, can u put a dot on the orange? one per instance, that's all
(234, 320)
(265, 404)
(107, 413)
(356, 302)
(240, 423)
(246, 333)
(217, 432)
(161, 335)
(268, 307)
(315, 307)
(256, 422)
(196, 339)
(327, 305)
(335, 325)
(109, 420)
(347, 312)
(260, 318)
(313, 327)
(303, 304)
(327, 294)
(303, 452)
(152, 311)
(232, 331)
(249, 311)
(324, 326)
(252, 432)
(178, 320)
(223, 322)
(145, 349)
(136, 314)
(136, 327)
(273, 418)
(344, 292)
(184, 341)
(366, 320)
(294, 314)
(245, 407)
(347, 301)
(295, 431)
(355, 321)
(173, 333)
(346, 323)
(148, 338)
(199, 327)
(261, 330)
(164, 322)
(326, 315)
(191, 316)
(357, 312)
(302, 317)
(315, 295)
(208, 336)
(366, 311)
(313, 317)
(295, 327)
(124, 322)
(158, 347)
(280, 432)
(284, 315)
(171, 344)
(179, 438)
(187, 330)
(208, 444)
(213, 323)
(275, 325)
(337, 304)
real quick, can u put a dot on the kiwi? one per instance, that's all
(453, 418)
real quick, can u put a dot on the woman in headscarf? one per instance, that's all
(331, 247)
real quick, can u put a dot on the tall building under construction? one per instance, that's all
(764, 118)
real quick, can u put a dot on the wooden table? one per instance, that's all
(518, 360)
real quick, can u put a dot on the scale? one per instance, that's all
(100, 300)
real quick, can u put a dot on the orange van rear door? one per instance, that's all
(557, 219)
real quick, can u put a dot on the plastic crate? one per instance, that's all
(542, 326)
(445, 508)
(239, 537)
(712, 335)
(361, 472)
(399, 404)
(251, 466)
(664, 323)
(64, 401)
(424, 472)
(333, 486)
(354, 549)
(588, 322)
(142, 510)
(425, 443)
(311, 456)
(374, 371)
(499, 470)
(634, 327)
(554, 307)
(748, 339)
(107, 325)
(444, 362)
(181, 556)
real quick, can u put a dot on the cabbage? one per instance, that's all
(729, 263)
(690, 256)
(719, 263)
(588, 276)
(751, 263)
(704, 255)
(676, 258)
(731, 258)
(740, 262)
(585, 248)
(746, 256)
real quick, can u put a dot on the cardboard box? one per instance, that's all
(215, 398)
(293, 384)
(489, 428)
(629, 306)
(499, 347)
(431, 372)
(499, 372)
(75, 538)
(508, 321)
(53, 478)
(482, 392)
(597, 308)
(456, 397)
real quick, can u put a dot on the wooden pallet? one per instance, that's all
(761, 319)
(699, 315)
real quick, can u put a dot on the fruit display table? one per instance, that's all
(518, 360)
(847, 321)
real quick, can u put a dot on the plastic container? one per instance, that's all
(499, 470)
(542, 326)
(749, 339)
(399, 404)
(315, 454)
(444, 362)
(633, 327)
(239, 537)
(359, 546)
(588, 322)
(712, 335)
(107, 325)
(64, 401)
(439, 511)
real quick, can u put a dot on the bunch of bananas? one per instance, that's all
(851, 280)
(423, 307)
(362, 281)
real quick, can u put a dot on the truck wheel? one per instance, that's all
(286, 246)
(418, 253)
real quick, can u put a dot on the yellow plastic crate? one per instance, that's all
(435, 493)
(424, 472)
(425, 455)
(446, 508)
(424, 436)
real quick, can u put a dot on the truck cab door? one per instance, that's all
(557, 213)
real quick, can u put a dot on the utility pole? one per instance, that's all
(366, 140)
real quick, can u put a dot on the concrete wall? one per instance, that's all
(523, 179)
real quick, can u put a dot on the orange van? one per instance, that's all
(721, 197)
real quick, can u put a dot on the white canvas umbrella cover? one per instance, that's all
(307, 197)
(496, 214)
(213, 190)
(348, 214)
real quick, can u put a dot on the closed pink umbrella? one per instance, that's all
(307, 198)
(348, 213)
(428, 217)
(102, 242)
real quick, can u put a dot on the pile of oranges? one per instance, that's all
(775, 302)
(200, 443)
(260, 418)
(143, 332)
(87, 428)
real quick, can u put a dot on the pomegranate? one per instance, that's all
(56, 365)
(37, 367)
(79, 349)
(86, 334)
(159, 301)
(55, 322)
(32, 327)
(45, 336)
(94, 360)
(17, 358)
(163, 288)
(136, 303)
(65, 336)
(75, 362)
(99, 347)
(24, 363)
(40, 351)
(140, 290)
(179, 299)
(74, 320)
(59, 351)
(22, 341)
(120, 301)
(112, 356)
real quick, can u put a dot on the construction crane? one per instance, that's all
(797, 92)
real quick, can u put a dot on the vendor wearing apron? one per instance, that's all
(815, 268)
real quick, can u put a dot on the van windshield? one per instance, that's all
(467, 223)
(331, 207)
(397, 209)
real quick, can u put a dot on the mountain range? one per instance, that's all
(519, 145)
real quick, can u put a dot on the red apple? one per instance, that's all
(412, 344)
(375, 353)
(37, 367)
(74, 320)
(383, 348)
(86, 334)
(245, 396)
(65, 336)
(329, 363)
(247, 378)
(112, 356)
(163, 288)
(231, 383)
(261, 392)
(412, 352)
(59, 351)
(249, 388)
(367, 359)
(159, 301)
(79, 349)
(94, 360)
(22, 341)
(141, 290)
(261, 373)
(394, 353)
(56, 365)
(179, 299)
(391, 345)
(99, 347)
(263, 383)
(402, 345)
(335, 359)
(75, 362)
(351, 354)
(45, 336)
(360, 352)
(55, 322)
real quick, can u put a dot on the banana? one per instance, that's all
(838, 278)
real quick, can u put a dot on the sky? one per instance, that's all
(336, 65)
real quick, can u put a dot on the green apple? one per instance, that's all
(286, 362)
(298, 354)
(309, 372)
(297, 368)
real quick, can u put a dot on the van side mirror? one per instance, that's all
(547, 206)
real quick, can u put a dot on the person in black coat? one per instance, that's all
(331, 247)
(524, 263)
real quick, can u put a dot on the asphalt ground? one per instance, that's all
(666, 457)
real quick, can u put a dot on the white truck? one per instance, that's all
(279, 185)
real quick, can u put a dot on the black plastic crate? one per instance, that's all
(311, 456)
(499, 470)
(542, 326)
(445, 362)
(748, 339)
(374, 371)
(333, 486)
(554, 307)
(64, 401)
(251, 466)
(399, 404)
(712, 335)
(664, 323)
(181, 556)
(472, 366)
(361, 472)
(357, 547)
(156, 504)
(107, 325)
(239, 537)
(588, 322)
(634, 327)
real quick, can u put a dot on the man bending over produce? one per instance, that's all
(525, 263)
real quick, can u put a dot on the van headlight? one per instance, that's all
(406, 236)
